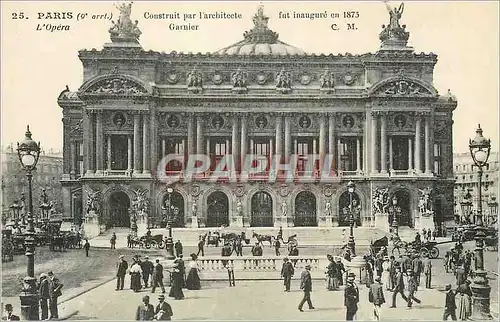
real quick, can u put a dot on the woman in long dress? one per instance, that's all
(464, 297)
(193, 278)
(177, 283)
(386, 277)
(135, 276)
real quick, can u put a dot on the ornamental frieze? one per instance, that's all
(116, 85)
(402, 86)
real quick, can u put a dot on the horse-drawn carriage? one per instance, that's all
(217, 238)
(379, 246)
(427, 248)
(146, 241)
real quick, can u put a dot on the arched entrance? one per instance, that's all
(345, 210)
(305, 209)
(217, 210)
(173, 206)
(262, 210)
(402, 209)
(119, 203)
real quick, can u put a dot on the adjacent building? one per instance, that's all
(376, 116)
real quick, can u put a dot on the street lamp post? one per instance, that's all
(352, 245)
(170, 241)
(29, 151)
(479, 148)
(493, 205)
(466, 205)
(395, 225)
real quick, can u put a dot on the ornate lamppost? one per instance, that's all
(29, 151)
(479, 148)
(395, 224)
(16, 208)
(493, 205)
(352, 245)
(170, 241)
(466, 205)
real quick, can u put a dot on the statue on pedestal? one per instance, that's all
(328, 208)
(194, 209)
(424, 204)
(394, 32)
(284, 208)
(239, 208)
(124, 29)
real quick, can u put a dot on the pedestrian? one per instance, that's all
(201, 247)
(460, 274)
(230, 273)
(177, 283)
(351, 297)
(434, 234)
(287, 272)
(129, 241)
(145, 311)
(257, 251)
(147, 270)
(122, 267)
(277, 246)
(163, 311)
(379, 260)
(112, 241)
(449, 306)
(368, 270)
(427, 271)
(412, 288)
(424, 233)
(339, 276)
(43, 293)
(157, 277)
(55, 287)
(182, 269)
(330, 273)
(429, 234)
(464, 294)
(306, 286)
(193, 278)
(178, 248)
(9, 316)
(86, 246)
(376, 296)
(447, 261)
(417, 268)
(135, 272)
(386, 276)
(294, 251)
(398, 287)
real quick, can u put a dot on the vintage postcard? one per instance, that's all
(243, 160)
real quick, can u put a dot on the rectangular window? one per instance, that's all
(437, 159)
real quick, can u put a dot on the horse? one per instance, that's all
(263, 238)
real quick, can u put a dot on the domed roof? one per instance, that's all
(260, 40)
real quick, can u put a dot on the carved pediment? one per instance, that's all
(114, 85)
(402, 86)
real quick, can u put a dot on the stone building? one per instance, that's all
(467, 180)
(377, 116)
(48, 175)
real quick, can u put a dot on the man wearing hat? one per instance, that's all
(163, 311)
(54, 293)
(306, 286)
(287, 272)
(351, 297)
(147, 269)
(122, 267)
(157, 277)
(43, 292)
(399, 287)
(417, 266)
(376, 296)
(412, 288)
(145, 311)
(449, 306)
(427, 264)
(9, 316)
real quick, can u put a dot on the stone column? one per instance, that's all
(208, 146)
(137, 143)
(279, 135)
(418, 134)
(391, 159)
(252, 152)
(243, 145)
(427, 133)
(358, 155)
(199, 135)
(331, 138)
(108, 154)
(234, 142)
(410, 154)
(190, 134)
(315, 150)
(340, 166)
(73, 159)
(87, 142)
(163, 148)
(129, 153)
(383, 144)
(153, 141)
(322, 130)
(366, 141)
(146, 145)
(99, 144)
(288, 138)
(373, 147)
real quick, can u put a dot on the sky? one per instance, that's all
(37, 65)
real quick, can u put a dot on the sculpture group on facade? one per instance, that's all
(283, 81)
(424, 203)
(124, 28)
(239, 80)
(284, 208)
(117, 86)
(239, 208)
(395, 31)
(195, 81)
(380, 200)
(328, 208)
(327, 80)
(93, 204)
(403, 87)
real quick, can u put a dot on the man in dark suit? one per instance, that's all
(399, 287)
(376, 296)
(86, 246)
(412, 288)
(54, 293)
(9, 316)
(351, 297)
(43, 293)
(145, 311)
(306, 286)
(450, 307)
(157, 277)
(163, 311)
(201, 247)
(340, 271)
(178, 248)
(122, 267)
(257, 251)
(147, 269)
(460, 274)
(427, 271)
(417, 268)
(287, 272)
